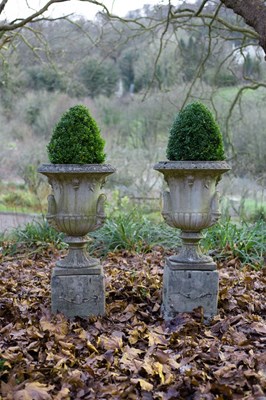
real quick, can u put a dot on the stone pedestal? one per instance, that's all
(78, 291)
(185, 289)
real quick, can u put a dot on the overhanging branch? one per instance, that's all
(254, 14)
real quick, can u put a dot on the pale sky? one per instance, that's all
(20, 9)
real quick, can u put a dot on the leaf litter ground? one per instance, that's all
(130, 353)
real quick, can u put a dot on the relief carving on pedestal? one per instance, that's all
(78, 299)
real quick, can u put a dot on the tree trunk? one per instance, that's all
(254, 14)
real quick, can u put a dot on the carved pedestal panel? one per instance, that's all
(78, 291)
(184, 290)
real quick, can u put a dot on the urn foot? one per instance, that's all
(77, 256)
(190, 255)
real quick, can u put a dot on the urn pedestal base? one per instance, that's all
(78, 291)
(186, 289)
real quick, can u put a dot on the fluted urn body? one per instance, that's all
(191, 204)
(76, 205)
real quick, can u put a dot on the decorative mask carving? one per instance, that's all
(75, 183)
(190, 180)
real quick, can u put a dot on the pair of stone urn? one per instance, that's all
(76, 207)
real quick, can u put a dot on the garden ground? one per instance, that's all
(131, 353)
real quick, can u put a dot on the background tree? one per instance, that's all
(98, 77)
(170, 54)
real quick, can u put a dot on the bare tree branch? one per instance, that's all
(191, 14)
(2, 5)
(22, 22)
(204, 60)
(169, 13)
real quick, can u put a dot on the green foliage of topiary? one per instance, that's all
(195, 136)
(76, 139)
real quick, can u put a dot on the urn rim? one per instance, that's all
(162, 166)
(77, 168)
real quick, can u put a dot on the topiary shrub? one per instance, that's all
(195, 136)
(76, 139)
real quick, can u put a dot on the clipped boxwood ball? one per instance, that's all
(195, 136)
(76, 139)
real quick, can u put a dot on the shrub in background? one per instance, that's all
(76, 139)
(41, 77)
(195, 135)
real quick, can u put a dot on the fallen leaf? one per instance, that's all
(34, 391)
(143, 384)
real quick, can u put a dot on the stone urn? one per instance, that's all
(191, 204)
(76, 207)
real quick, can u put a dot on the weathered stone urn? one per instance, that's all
(191, 204)
(76, 207)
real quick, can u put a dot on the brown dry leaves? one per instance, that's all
(131, 353)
